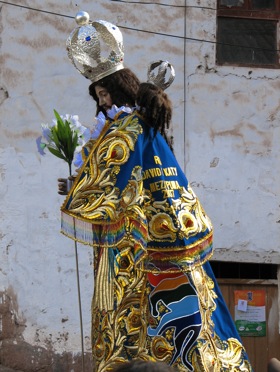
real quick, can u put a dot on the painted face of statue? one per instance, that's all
(104, 98)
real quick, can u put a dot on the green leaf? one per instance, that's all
(58, 117)
(55, 138)
(60, 129)
(57, 153)
(71, 145)
(65, 139)
(73, 142)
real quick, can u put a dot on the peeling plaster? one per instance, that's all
(214, 162)
(253, 140)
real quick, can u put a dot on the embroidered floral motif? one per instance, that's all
(96, 197)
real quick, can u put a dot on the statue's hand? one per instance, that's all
(64, 185)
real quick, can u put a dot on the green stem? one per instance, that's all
(70, 169)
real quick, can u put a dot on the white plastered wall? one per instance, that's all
(225, 126)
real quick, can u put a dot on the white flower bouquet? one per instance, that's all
(64, 138)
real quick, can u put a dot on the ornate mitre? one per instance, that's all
(95, 48)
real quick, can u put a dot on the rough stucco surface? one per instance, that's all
(226, 138)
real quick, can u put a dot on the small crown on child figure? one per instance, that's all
(158, 77)
(95, 48)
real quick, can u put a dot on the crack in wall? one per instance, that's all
(3, 95)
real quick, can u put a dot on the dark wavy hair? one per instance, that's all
(156, 108)
(122, 86)
(143, 366)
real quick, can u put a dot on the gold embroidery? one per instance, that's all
(95, 196)
(183, 219)
(118, 334)
(103, 283)
(161, 349)
(161, 227)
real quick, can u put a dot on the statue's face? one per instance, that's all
(104, 98)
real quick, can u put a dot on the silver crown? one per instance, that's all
(95, 48)
(157, 74)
